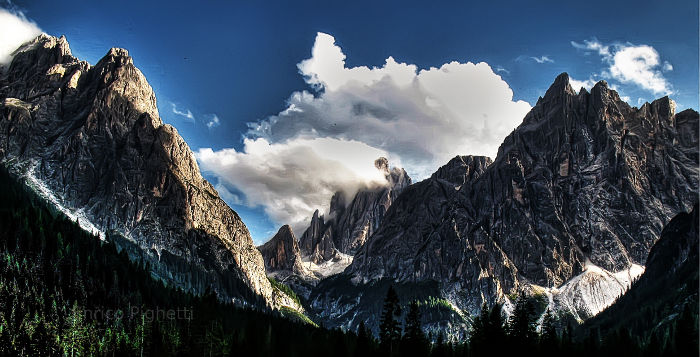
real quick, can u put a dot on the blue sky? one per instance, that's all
(238, 62)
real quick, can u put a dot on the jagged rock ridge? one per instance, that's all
(667, 287)
(354, 221)
(281, 253)
(91, 138)
(585, 180)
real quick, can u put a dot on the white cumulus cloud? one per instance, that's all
(424, 117)
(577, 85)
(15, 29)
(291, 179)
(327, 139)
(639, 65)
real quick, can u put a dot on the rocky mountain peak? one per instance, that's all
(382, 164)
(462, 169)
(585, 183)
(91, 140)
(559, 87)
(351, 220)
(116, 57)
(282, 252)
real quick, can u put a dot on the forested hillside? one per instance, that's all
(66, 292)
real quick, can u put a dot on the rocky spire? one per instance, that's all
(91, 139)
(351, 222)
(462, 169)
(282, 252)
(585, 181)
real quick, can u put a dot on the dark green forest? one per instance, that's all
(66, 292)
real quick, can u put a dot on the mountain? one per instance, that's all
(352, 222)
(281, 253)
(668, 286)
(568, 211)
(89, 139)
(327, 247)
(65, 292)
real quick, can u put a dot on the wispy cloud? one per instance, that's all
(213, 121)
(667, 67)
(15, 30)
(542, 59)
(183, 113)
(592, 46)
(631, 64)
(501, 69)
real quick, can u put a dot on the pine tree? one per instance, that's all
(364, 341)
(478, 337)
(389, 327)
(75, 335)
(686, 336)
(521, 325)
(414, 342)
(441, 348)
(549, 340)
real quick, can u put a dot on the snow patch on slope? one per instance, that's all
(590, 292)
(331, 267)
(75, 215)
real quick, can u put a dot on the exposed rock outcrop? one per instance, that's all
(351, 223)
(281, 253)
(585, 180)
(91, 140)
(668, 286)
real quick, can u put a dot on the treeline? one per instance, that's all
(523, 334)
(66, 292)
(662, 306)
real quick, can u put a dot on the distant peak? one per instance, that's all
(560, 86)
(118, 52)
(382, 163)
(285, 230)
(47, 42)
(562, 78)
(118, 56)
(601, 83)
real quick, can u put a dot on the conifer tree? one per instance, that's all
(389, 327)
(414, 342)
(549, 340)
(521, 325)
(478, 336)
(686, 336)
(364, 341)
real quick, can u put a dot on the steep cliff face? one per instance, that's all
(667, 287)
(90, 139)
(583, 185)
(352, 222)
(281, 253)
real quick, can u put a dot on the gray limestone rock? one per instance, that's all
(586, 179)
(92, 137)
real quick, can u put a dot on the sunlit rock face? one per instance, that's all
(91, 138)
(352, 220)
(582, 188)
(281, 253)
